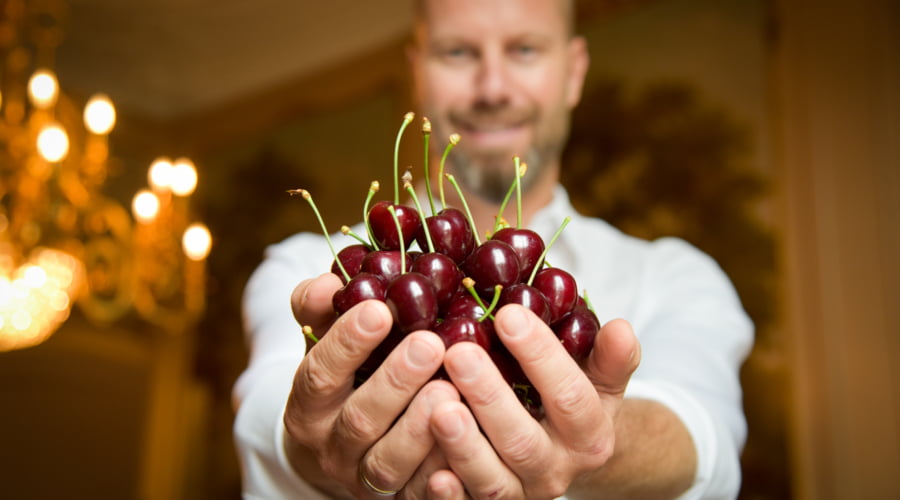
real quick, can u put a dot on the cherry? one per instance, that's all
(351, 258)
(461, 329)
(528, 296)
(559, 288)
(577, 330)
(450, 234)
(412, 302)
(529, 247)
(384, 228)
(363, 286)
(378, 356)
(443, 274)
(492, 263)
(385, 264)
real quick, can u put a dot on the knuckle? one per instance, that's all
(522, 451)
(569, 398)
(356, 424)
(314, 380)
(382, 473)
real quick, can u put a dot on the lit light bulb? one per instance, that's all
(43, 88)
(99, 114)
(145, 206)
(184, 177)
(160, 174)
(53, 143)
(196, 241)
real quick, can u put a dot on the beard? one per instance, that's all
(489, 174)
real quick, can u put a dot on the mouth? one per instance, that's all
(493, 134)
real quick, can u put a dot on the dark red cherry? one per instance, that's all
(528, 296)
(492, 263)
(528, 246)
(463, 305)
(384, 229)
(517, 380)
(351, 258)
(443, 273)
(577, 331)
(412, 302)
(451, 234)
(378, 356)
(559, 288)
(385, 264)
(455, 330)
(363, 286)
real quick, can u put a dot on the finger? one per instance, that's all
(615, 356)
(311, 301)
(396, 457)
(470, 455)
(325, 377)
(516, 435)
(417, 486)
(570, 400)
(445, 485)
(371, 410)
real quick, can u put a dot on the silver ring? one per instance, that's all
(371, 487)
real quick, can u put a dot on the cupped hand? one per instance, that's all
(495, 448)
(380, 429)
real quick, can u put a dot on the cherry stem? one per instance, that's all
(540, 261)
(518, 183)
(412, 192)
(373, 188)
(345, 230)
(400, 236)
(587, 302)
(426, 132)
(465, 205)
(454, 140)
(469, 284)
(308, 197)
(499, 221)
(407, 119)
(308, 333)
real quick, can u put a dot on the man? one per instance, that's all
(505, 76)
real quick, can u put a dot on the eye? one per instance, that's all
(457, 53)
(524, 51)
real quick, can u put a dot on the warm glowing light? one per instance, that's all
(53, 143)
(160, 174)
(99, 114)
(145, 206)
(43, 89)
(184, 177)
(196, 242)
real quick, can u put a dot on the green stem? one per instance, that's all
(399, 235)
(308, 197)
(454, 140)
(426, 132)
(543, 256)
(407, 118)
(412, 193)
(462, 199)
(373, 188)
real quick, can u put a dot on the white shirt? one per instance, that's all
(693, 331)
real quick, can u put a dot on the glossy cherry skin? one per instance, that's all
(451, 234)
(560, 289)
(527, 296)
(385, 264)
(384, 229)
(577, 331)
(455, 330)
(351, 258)
(492, 263)
(363, 286)
(443, 273)
(412, 302)
(528, 246)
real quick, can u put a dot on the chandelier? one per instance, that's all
(62, 240)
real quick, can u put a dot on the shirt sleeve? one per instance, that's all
(276, 348)
(695, 336)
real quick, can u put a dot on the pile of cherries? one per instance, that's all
(455, 282)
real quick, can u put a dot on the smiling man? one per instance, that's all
(654, 411)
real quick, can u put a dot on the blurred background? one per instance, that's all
(765, 132)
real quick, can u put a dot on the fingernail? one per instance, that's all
(420, 353)
(466, 365)
(515, 322)
(369, 320)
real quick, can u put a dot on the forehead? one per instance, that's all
(491, 18)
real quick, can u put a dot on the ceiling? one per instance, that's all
(164, 58)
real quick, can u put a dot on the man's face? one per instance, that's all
(504, 75)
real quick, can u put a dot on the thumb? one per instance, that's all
(615, 356)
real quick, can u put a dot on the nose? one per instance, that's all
(492, 84)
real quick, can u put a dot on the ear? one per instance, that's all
(579, 60)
